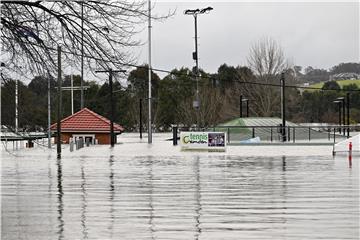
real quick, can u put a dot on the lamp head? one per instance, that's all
(191, 11)
(206, 10)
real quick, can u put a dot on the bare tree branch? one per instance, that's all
(30, 28)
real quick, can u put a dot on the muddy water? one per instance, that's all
(105, 196)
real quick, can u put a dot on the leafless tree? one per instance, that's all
(210, 112)
(105, 30)
(266, 60)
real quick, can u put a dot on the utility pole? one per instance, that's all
(49, 110)
(72, 94)
(247, 107)
(72, 89)
(112, 103)
(343, 105)
(140, 118)
(16, 110)
(82, 56)
(149, 97)
(340, 117)
(58, 125)
(16, 107)
(241, 98)
(112, 141)
(348, 113)
(283, 131)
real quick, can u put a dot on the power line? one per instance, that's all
(180, 74)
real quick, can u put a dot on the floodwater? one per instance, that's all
(99, 193)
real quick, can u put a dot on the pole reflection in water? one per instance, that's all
(50, 187)
(60, 199)
(151, 207)
(112, 195)
(197, 197)
(83, 199)
(283, 163)
(192, 196)
(18, 195)
(284, 193)
(350, 160)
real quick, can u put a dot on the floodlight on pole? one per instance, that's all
(195, 13)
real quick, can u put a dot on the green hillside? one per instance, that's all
(340, 82)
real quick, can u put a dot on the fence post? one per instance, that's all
(271, 134)
(309, 135)
(71, 145)
(253, 132)
(175, 129)
(294, 134)
(289, 133)
(228, 135)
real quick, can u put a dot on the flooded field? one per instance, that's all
(136, 191)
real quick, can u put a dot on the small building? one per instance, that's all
(88, 125)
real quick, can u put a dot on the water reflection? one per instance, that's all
(283, 163)
(60, 208)
(83, 200)
(112, 195)
(151, 207)
(180, 197)
(197, 197)
(350, 160)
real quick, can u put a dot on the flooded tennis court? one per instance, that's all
(136, 191)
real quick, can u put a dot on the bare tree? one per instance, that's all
(104, 30)
(212, 106)
(267, 61)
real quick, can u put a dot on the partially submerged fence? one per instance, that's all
(273, 134)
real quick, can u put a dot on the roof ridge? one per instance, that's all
(101, 117)
(93, 114)
(69, 117)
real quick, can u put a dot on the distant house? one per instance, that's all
(87, 125)
(344, 76)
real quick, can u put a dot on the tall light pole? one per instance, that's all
(283, 129)
(149, 73)
(16, 108)
(342, 100)
(339, 104)
(49, 110)
(82, 57)
(195, 13)
(348, 113)
(59, 112)
(72, 93)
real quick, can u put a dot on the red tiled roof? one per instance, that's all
(86, 120)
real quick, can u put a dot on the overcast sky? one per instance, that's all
(320, 34)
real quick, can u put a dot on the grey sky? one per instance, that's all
(319, 34)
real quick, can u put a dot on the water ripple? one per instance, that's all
(184, 197)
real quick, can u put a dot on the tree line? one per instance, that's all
(173, 97)
(101, 34)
